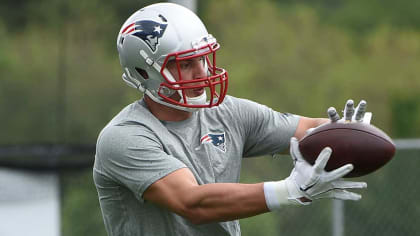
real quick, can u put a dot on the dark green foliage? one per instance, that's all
(406, 115)
(80, 211)
(363, 16)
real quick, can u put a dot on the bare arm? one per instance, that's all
(306, 123)
(180, 193)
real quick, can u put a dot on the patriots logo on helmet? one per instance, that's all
(147, 30)
(217, 140)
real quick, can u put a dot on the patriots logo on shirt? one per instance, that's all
(148, 31)
(217, 140)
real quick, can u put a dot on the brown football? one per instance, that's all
(365, 146)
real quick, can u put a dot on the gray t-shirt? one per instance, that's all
(136, 149)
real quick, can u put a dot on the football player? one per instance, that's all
(169, 164)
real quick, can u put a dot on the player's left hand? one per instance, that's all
(351, 114)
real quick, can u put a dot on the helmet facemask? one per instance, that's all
(213, 84)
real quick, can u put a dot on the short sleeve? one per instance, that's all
(133, 156)
(266, 131)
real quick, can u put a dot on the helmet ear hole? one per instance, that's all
(142, 72)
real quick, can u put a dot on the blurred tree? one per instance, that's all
(80, 212)
(14, 13)
(363, 16)
(406, 115)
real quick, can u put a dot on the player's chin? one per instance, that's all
(195, 92)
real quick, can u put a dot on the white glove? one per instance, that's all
(307, 183)
(313, 182)
(350, 114)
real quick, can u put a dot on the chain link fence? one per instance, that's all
(388, 206)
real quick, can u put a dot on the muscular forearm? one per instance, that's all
(179, 192)
(306, 123)
(224, 201)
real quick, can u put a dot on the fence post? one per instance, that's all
(338, 218)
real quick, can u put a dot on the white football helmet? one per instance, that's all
(159, 33)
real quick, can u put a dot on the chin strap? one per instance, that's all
(157, 100)
(199, 100)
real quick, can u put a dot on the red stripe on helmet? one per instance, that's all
(126, 28)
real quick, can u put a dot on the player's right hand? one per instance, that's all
(307, 183)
